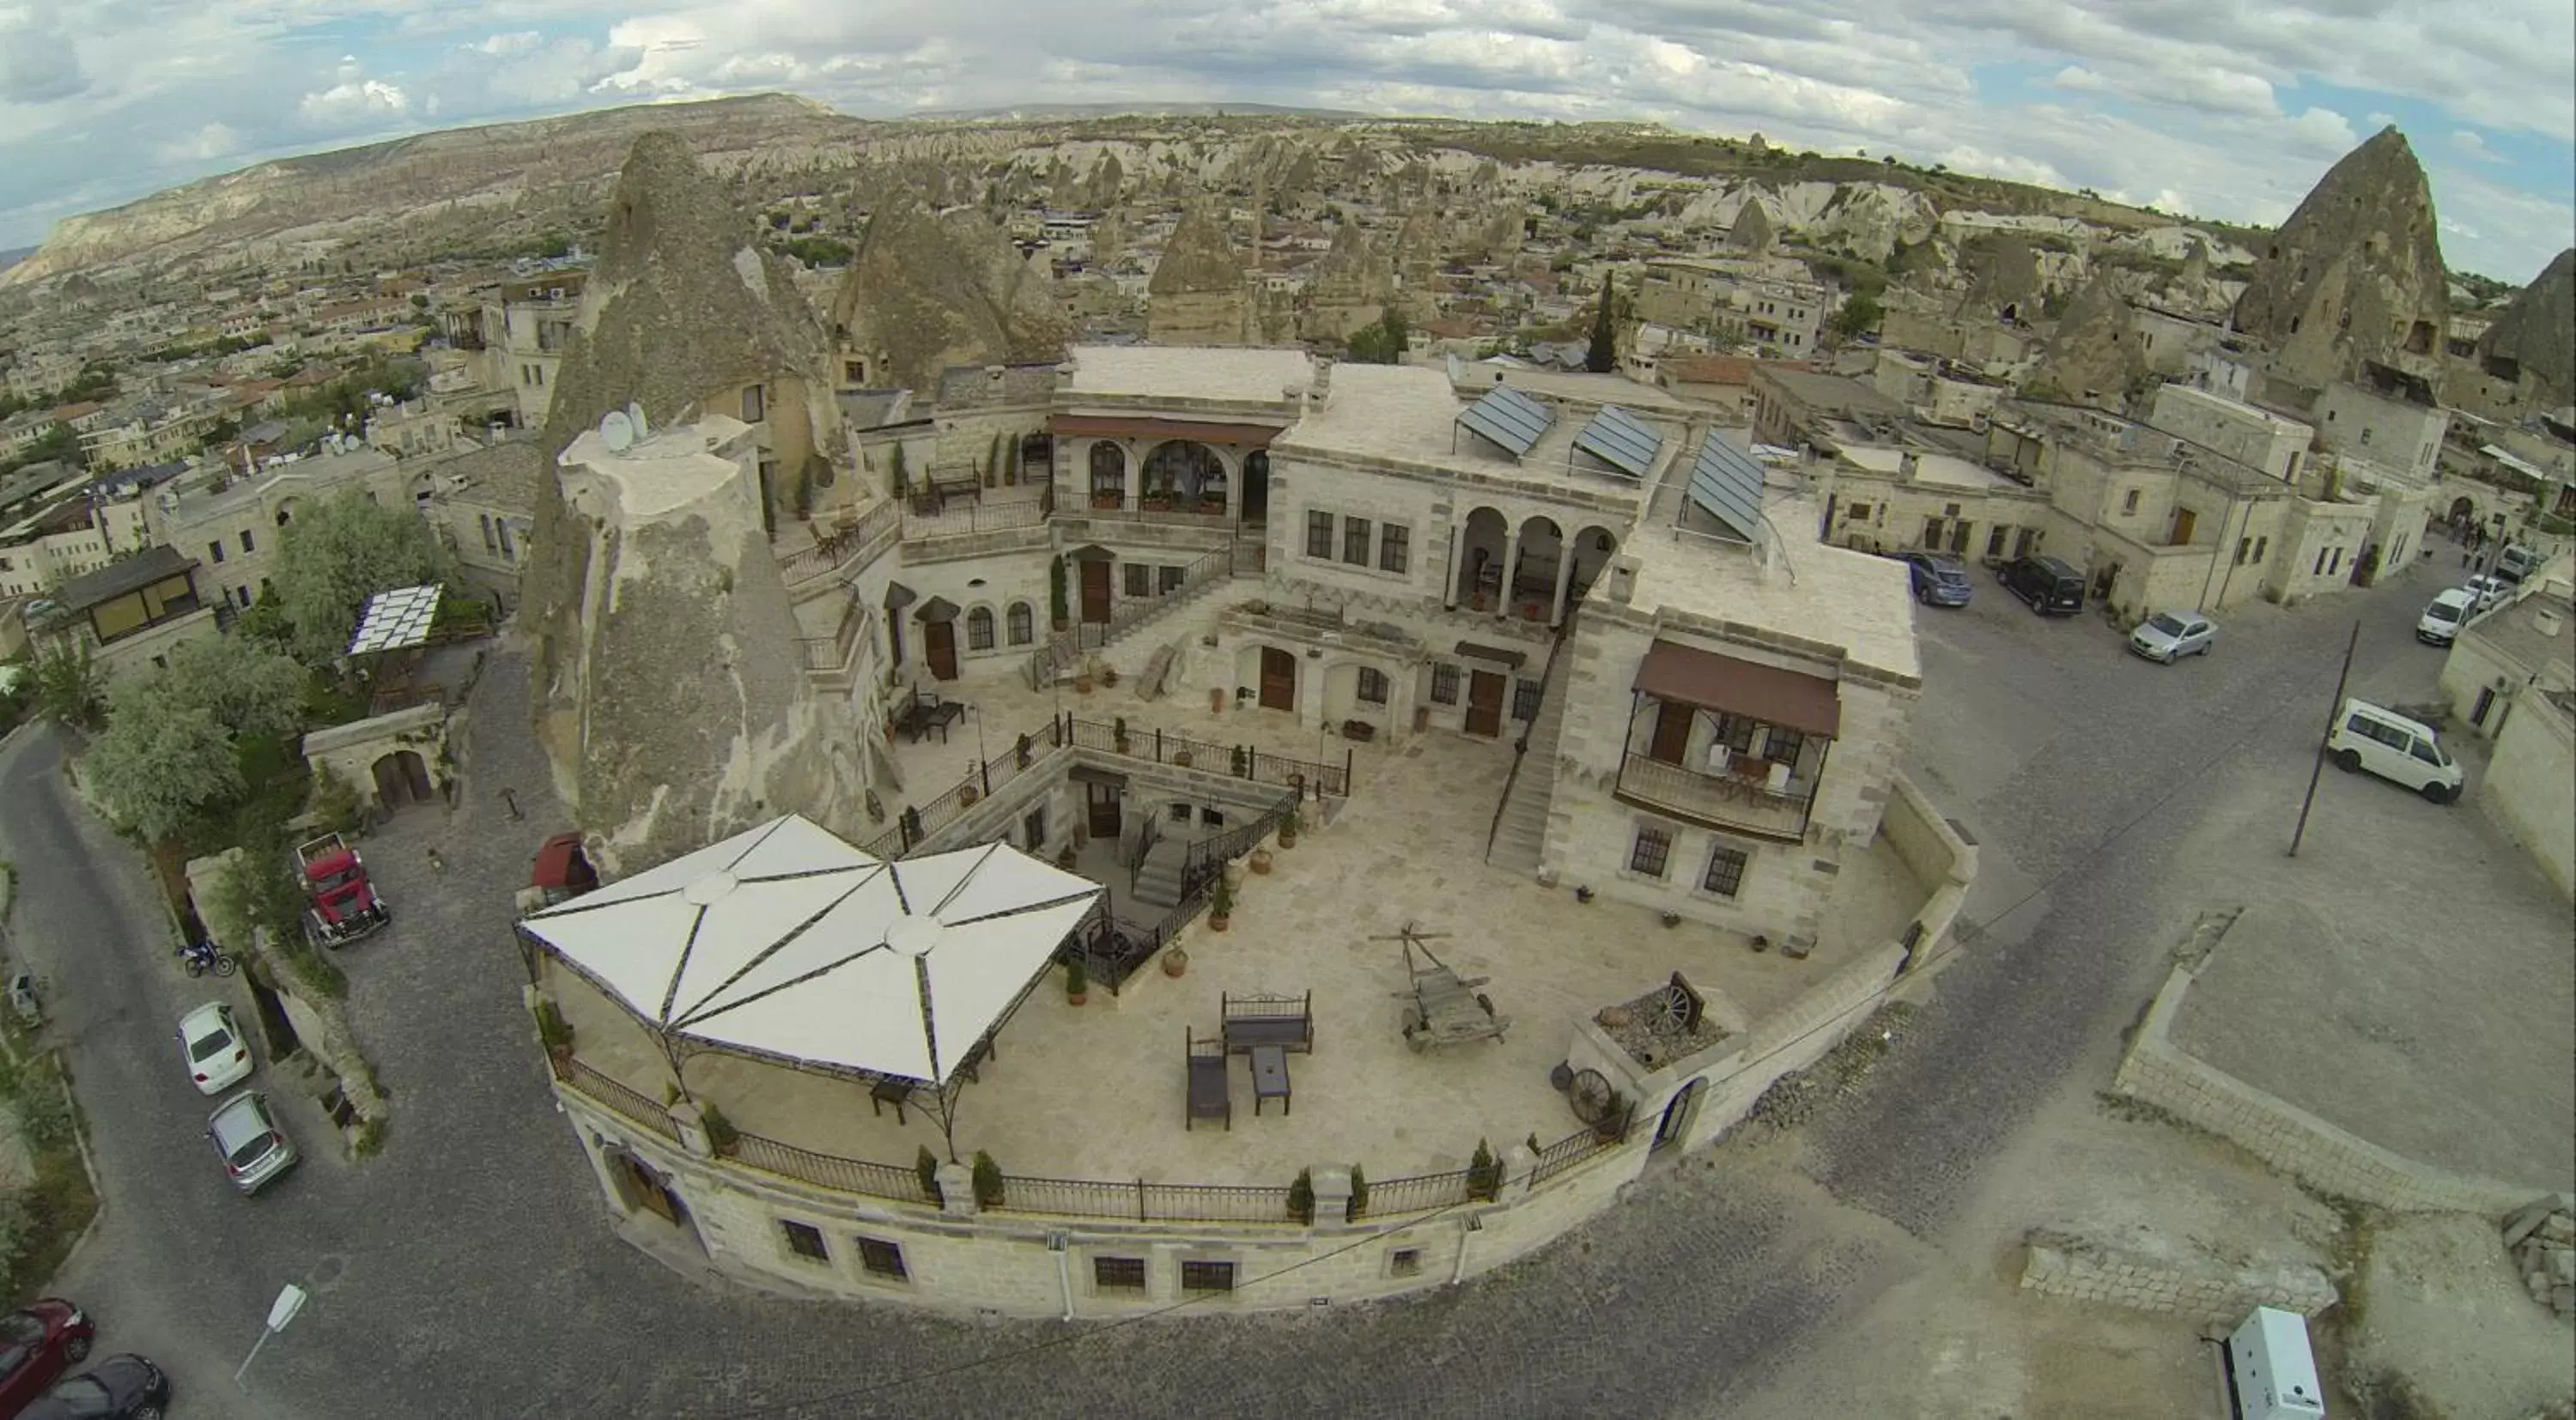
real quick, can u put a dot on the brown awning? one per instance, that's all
(1109, 426)
(937, 609)
(898, 596)
(1805, 703)
(1496, 654)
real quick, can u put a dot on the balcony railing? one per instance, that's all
(1716, 800)
(633, 1104)
(842, 547)
(966, 517)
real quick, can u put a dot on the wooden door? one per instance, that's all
(1100, 809)
(1095, 591)
(939, 643)
(1485, 704)
(1278, 680)
(1672, 732)
(2183, 520)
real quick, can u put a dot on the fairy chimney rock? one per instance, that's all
(2355, 276)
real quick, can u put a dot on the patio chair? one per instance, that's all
(1211, 1094)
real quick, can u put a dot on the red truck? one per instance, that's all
(340, 905)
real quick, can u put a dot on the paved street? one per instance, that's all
(470, 1270)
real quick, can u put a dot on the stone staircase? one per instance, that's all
(1068, 648)
(1158, 878)
(1520, 829)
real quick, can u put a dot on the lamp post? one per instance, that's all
(983, 773)
(290, 1301)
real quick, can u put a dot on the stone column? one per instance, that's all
(1511, 555)
(1332, 1184)
(1135, 474)
(957, 1191)
(692, 1124)
(1564, 578)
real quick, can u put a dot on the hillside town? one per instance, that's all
(1570, 664)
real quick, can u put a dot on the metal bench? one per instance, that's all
(1284, 1021)
(1211, 1096)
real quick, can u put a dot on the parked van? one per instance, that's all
(2518, 562)
(2051, 587)
(2397, 749)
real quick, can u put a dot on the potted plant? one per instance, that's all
(1108, 675)
(1118, 732)
(1077, 981)
(1484, 1175)
(925, 1165)
(967, 794)
(1301, 1197)
(1176, 961)
(1357, 1207)
(988, 1181)
(1023, 750)
(1181, 758)
(1260, 862)
(1082, 681)
(1064, 859)
(1288, 830)
(721, 1135)
(1220, 905)
(1058, 611)
(1242, 762)
(554, 1031)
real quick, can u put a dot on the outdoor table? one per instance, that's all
(890, 1092)
(1270, 1078)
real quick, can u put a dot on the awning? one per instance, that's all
(1106, 426)
(1086, 774)
(1497, 654)
(1805, 703)
(899, 596)
(1091, 552)
(937, 609)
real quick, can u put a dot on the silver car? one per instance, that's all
(246, 1137)
(2168, 636)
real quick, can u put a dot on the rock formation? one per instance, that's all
(2003, 277)
(691, 718)
(1350, 288)
(2095, 355)
(682, 314)
(1752, 229)
(1199, 294)
(2355, 275)
(2537, 332)
(927, 292)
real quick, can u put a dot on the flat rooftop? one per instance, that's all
(1410, 413)
(1248, 376)
(1945, 470)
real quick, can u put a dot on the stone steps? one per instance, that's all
(1520, 831)
(1158, 878)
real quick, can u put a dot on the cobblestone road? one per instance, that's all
(471, 1271)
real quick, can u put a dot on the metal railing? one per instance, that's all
(903, 1185)
(978, 516)
(1588, 1143)
(1422, 1193)
(838, 548)
(836, 651)
(1718, 800)
(1144, 1202)
(1061, 649)
(619, 1099)
(1236, 761)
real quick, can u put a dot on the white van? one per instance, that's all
(2395, 748)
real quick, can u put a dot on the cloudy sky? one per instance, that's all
(2214, 107)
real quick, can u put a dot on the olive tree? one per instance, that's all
(337, 554)
(171, 749)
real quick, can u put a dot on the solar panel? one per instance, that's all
(1727, 485)
(1620, 440)
(1509, 418)
(396, 619)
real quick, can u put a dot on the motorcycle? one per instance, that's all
(202, 957)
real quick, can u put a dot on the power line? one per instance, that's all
(2100, 847)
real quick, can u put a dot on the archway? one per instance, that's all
(1480, 560)
(1187, 475)
(1536, 565)
(1037, 458)
(402, 779)
(2463, 509)
(1593, 549)
(1256, 486)
(1108, 464)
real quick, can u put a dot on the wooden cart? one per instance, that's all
(1446, 1008)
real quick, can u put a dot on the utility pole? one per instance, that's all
(2318, 769)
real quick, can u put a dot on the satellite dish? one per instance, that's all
(635, 416)
(617, 431)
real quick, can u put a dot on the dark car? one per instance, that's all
(118, 1388)
(37, 1345)
(2051, 587)
(1938, 580)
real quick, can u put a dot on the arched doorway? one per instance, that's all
(1675, 1124)
(402, 779)
(1593, 549)
(1108, 463)
(2462, 509)
(1037, 458)
(1278, 680)
(1186, 476)
(1537, 563)
(645, 1191)
(1256, 486)
(1480, 560)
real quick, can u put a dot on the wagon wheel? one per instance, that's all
(1670, 1010)
(1590, 1096)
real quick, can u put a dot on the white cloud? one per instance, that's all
(214, 140)
(2470, 142)
(353, 101)
(37, 61)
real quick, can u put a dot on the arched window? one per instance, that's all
(979, 629)
(1022, 624)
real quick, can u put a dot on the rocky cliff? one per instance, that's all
(927, 292)
(2355, 275)
(2538, 333)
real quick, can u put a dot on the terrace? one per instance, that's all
(1097, 1093)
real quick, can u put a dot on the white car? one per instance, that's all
(2440, 624)
(2489, 590)
(217, 1055)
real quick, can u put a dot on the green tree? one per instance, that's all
(65, 685)
(251, 689)
(1380, 343)
(1602, 356)
(338, 554)
(1859, 316)
(161, 765)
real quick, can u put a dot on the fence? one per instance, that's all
(903, 1185)
(917, 823)
(978, 516)
(1237, 761)
(1061, 649)
(1144, 1202)
(838, 547)
(1590, 1142)
(1422, 1193)
(633, 1104)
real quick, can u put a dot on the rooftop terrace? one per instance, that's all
(1163, 372)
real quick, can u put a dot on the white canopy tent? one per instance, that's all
(785, 942)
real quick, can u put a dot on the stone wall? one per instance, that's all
(350, 751)
(2168, 1280)
(2525, 785)
(2336, 1161)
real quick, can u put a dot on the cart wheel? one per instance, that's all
(1590, 1096)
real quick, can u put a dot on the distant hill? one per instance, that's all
(1041, 113)
(14, 255)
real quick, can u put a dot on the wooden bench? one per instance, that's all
(1284, 1021)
